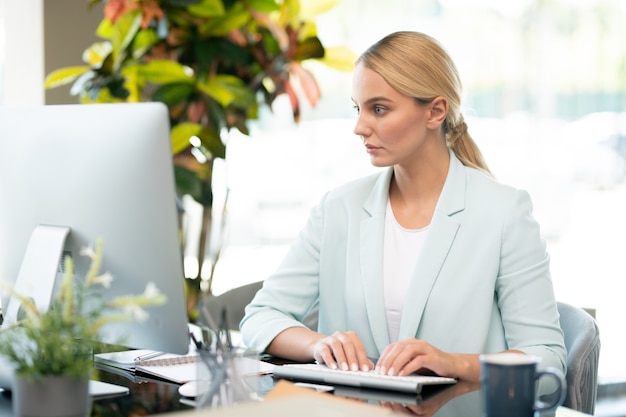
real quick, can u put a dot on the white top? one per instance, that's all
(402, 248)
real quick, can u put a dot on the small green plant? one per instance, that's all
(59, 341)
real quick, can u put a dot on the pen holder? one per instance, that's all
(227, 377)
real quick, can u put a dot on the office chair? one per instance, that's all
(582, 342)
(235, 302)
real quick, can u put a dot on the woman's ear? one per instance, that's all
(438, 112)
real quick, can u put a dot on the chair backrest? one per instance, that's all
(234, 301)
(582, 341)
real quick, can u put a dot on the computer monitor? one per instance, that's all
(73, 174)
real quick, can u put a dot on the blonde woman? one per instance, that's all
(424, 265)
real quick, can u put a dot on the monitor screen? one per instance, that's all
(103, 171)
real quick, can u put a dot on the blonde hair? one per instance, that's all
(416, 65)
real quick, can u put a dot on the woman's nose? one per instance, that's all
(360, 128)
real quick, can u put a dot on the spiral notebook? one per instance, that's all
(169, 367)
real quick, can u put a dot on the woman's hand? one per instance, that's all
(342, 350)
(413, 355)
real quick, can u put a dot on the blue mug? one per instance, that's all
(509, 385)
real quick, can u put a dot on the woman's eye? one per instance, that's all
(358, 110)
(378, 110)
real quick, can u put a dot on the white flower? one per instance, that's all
(88, 251)
(136, 312)
(151, 291)
(105, 280)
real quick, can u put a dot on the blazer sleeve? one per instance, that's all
(524, 290)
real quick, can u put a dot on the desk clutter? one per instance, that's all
(215, 371)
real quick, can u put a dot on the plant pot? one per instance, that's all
(52, 396)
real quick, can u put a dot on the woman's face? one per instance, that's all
(393, 126)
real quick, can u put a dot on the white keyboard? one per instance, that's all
(323, 374)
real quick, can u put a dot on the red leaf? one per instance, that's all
(151, 11)
(114, 9)
(293, 98)
(307, 81)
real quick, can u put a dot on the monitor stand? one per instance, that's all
(35, 280)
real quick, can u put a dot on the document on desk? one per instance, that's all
(169, 367)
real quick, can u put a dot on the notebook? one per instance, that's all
(323, 374)
(169, 367)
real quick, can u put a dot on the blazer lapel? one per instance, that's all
(371, 255)
(442, 232)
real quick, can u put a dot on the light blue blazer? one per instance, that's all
(482, 283)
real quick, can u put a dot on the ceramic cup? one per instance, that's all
(509, 385)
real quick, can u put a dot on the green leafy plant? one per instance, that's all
(212, 62)
(59, 341)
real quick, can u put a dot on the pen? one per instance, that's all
(199, 344)
(148, 356)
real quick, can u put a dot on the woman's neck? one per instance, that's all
(414, 190)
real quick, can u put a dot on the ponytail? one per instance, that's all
(459, 140)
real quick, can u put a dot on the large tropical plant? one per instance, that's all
(212, 62)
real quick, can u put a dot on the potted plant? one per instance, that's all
(213, 63)
(51, 351)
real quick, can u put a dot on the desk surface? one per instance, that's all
(147, 398)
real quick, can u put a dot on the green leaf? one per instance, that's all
(290, 13)
(179, 3)
(164, 72)
(193, 183)
(212, 142)
(216, 114)
(218, 49)
(312, 9)
(339, 58)
(105, 29)
(188, 183)
(181, 133)
(309, 48)
(270, 43)
(64, 76)
(144, 40)
(117, 88)
(133, 82)
(264, 6)
(207, 8)
(228, 90)
(124, 31)
(220, 88)
(206, 198)
(173, 93)
(235, 18)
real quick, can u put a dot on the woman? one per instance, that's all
(425, 265)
